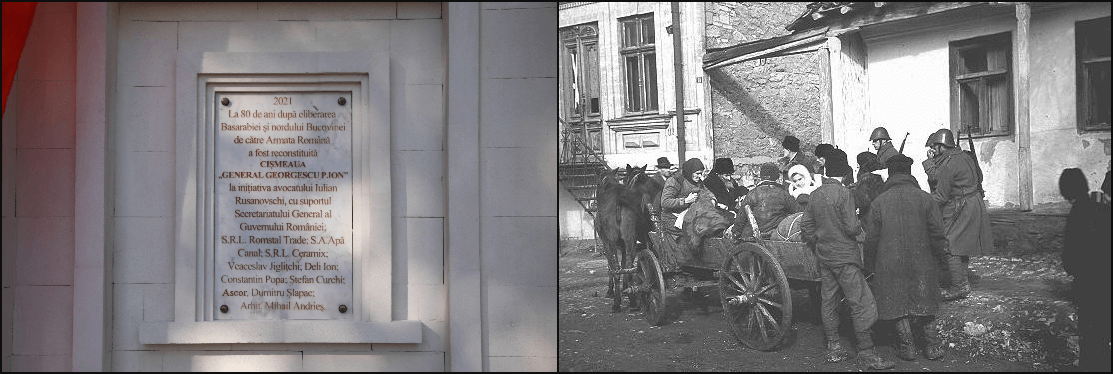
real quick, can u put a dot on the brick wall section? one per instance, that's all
(756, 103)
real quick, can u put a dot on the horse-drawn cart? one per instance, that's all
(751, 279)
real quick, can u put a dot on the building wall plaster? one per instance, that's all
(919, 103)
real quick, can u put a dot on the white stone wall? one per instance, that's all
(482, 242)
(1056, 142)
(151, 36)
(517, 185)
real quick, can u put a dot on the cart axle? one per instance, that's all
(746, 298)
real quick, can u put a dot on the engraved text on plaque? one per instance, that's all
(283, 205)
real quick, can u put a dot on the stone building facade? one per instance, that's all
(755, 104)
(618, 58)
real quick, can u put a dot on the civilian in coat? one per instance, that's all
(665, 170)
(721, 184)
(821, 152)
(838, 157)
(964, 214)
(869, 185)
(770, 203)
(679, 193)
(793, 156)
(904, 241)
(681, 190)
(830, 224)
(1086, 246)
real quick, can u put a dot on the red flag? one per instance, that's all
(17, 22)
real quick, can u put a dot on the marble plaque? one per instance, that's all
(283, 206)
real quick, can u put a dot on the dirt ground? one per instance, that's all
(591, 338)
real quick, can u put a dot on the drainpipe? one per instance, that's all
(678, 80)
(1023, 125)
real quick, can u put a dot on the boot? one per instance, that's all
(956, 293)
(933, 343)
(960, 288)
(906, 347)
(835, 351)
(869, 357)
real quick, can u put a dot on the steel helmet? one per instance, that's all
(880, 133)
(944, 137)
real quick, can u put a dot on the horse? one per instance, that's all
(650, 191)
(618, 218)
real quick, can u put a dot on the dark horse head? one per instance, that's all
(649, 189)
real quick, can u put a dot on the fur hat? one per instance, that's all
(791, 143)
(837, 155)
(769, 172)
(836, 165)
(867, 162)
(723, 165)
(899, 164)
(822, 150)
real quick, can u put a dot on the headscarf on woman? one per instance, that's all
(691, 167)
(805, 185)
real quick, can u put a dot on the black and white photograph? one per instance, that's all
(834, 186)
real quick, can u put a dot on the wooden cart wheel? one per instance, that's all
(649, 283)
(756, 299)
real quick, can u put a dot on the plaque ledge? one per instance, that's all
(230, 332)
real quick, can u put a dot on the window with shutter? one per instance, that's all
(981, 86)
(1092, 55)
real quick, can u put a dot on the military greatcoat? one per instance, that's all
(965, 220)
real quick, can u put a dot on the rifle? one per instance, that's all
(973, 155)
(901, 150)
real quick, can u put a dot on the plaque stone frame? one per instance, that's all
(199, 80)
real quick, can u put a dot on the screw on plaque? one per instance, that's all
(343, 309)
(225, 101)
(341, 101)
(224, 309)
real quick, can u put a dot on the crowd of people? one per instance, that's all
(913, 245)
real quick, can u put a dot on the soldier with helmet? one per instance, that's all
(883, 144)
(965, 220)
(929, 163)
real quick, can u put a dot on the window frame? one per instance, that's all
(1001, 41)
(641, 49)
(576, 42)
(1084, 30)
